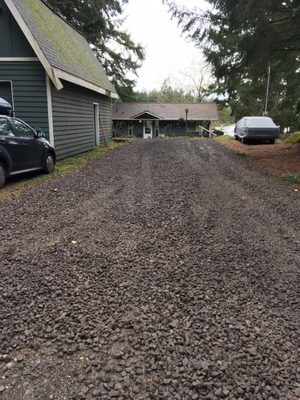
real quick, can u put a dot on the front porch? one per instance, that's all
(150, 120)
(148, 129)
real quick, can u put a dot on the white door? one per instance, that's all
(148, 130)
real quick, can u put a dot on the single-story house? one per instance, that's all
(148, 120)
(50, 75)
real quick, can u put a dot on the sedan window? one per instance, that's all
(5, 128)
(22, 129)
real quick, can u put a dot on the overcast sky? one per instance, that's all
(167, 52)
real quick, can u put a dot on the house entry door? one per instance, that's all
(148, 130)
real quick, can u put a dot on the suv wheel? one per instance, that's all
(2, 175)
(49, 164)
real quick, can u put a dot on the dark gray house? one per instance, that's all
(148, 120)
(50, 75)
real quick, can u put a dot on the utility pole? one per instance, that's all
(267, 92)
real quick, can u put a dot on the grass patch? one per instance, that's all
(198, 137)
(16, 185)
(126, 139)
(293, 138)
(168, 137)
(80, 160)
(223, 138)
(291, 178)
(194, 138)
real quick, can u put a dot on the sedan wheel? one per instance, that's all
(2, 175)
(49, 164)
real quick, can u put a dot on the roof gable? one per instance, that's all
(64, 53)
(145, 115)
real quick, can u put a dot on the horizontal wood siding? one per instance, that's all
(29, 91)
(122, 128)
(13, 43)
(73, 119)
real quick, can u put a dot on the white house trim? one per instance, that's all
(60, 74)
(146, 112)
(18, 59)
(96, 123)
(33, 43)
(50, 111)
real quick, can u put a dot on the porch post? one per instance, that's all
(186, 121)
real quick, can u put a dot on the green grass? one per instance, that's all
(194, 138)
(293, 138)
(291, 178)
(16, 185)
(75, 162)
(223, 137)
(168, 137)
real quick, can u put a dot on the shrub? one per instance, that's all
(291, 178)
(293, 138)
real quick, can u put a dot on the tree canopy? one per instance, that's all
(168, 93)
(100, 22)
(240, 38)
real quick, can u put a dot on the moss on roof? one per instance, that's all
(62, 45)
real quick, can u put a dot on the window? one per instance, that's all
(6, 91)
(22, 129)
(5, 128)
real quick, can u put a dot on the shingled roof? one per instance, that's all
(166, 111)
(64, 53)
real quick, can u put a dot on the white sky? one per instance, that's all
(168, 54)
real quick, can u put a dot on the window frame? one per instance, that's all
(24, 123)
(10, 125)
(11, 92)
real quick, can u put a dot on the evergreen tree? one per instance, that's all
(240, 39)
(99, 21)
(166, 94)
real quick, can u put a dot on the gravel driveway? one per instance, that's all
(182, 280)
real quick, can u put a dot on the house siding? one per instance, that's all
(29, 91)
(73, 119)
(13, 42)
(125, 128)
(168, 128)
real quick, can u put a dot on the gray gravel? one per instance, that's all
(183, 282)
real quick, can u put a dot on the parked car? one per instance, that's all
(23, 149)
(256, 129)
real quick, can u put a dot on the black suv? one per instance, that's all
(23, 149)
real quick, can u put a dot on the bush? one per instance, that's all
(293, 138)
(291, 178)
